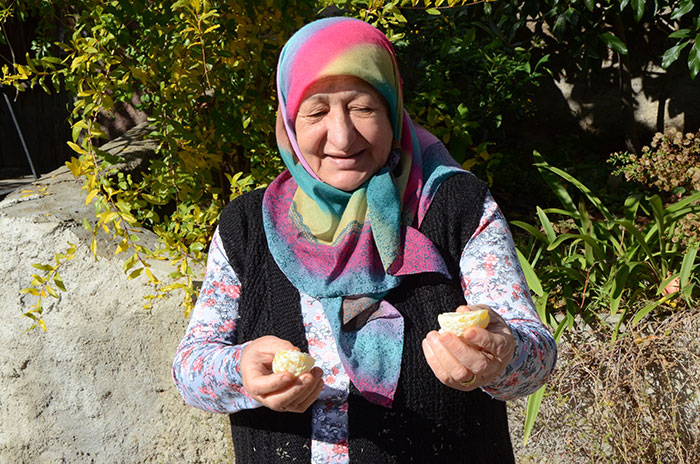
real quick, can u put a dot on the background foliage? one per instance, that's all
(203, 71)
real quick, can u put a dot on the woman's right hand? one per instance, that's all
(281, 391)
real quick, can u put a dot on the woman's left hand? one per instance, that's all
(476, 358)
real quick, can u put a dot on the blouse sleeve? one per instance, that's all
(491, 275)
(206, 369)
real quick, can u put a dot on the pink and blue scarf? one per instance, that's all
(349, 249)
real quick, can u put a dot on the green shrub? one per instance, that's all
(671, 165)
(203, 72)
(608, 269)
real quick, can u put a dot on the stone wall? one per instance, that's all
(96, 387)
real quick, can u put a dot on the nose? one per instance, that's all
(341, 132)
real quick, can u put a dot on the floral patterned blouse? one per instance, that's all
(207, 373)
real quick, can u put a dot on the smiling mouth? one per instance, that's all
(346, 156)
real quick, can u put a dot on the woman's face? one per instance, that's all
(343, 131)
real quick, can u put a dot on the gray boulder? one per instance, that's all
(96, 387)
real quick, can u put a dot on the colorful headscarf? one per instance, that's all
(349, 249)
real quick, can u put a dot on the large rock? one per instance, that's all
(96, 387)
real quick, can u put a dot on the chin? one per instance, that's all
(347, 183)
(348, 186)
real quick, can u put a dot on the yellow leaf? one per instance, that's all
(171, 287)
(135, 273)
(151, 277)
(76, 148)
(91, 195)
(30, 290)
(123, 245)
(109, 217)
(51, 291)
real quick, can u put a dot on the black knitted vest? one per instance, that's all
(429, 422)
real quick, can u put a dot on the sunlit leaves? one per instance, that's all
(42, 285)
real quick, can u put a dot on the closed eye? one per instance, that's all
(362, 109)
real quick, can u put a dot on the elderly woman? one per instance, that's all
(350, 254)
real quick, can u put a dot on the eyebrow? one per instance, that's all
(351, 94)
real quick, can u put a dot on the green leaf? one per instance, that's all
(135, 273)
(197, 246)
(618, 287)
(432, 11)
(638, 7)
(595, 245)
(546, 225)
(31, 291)
(560, 330)
(694, 58)
(676, 207)
(534, 401)
(683, 8)
(632, 205)
(616, 330)
(660, 218)
(614, 42)
(532, 230)
(687, 265)
(680, 34)
(672, 54)
(568, 203)
(59, 282)
(43, 267)
(559, 190)
(641, 314)
(589, 4)
(629, 226)
(530, 276)
(541, 304)
(50, 290)
(559, 25)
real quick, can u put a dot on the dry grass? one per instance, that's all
(633, 401)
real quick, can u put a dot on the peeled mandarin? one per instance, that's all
(292, 361)
(457, 322)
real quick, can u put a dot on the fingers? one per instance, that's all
(262, 385)
(450, 370)
(476, 358)
(496, 339)
(303, 403)
(498, 345)
(480, 362)
(299, 395)
(256, 366)
(278, 391)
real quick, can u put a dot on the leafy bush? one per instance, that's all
(203, 72)
(464, 79)
(595, 264)
(672, 165)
